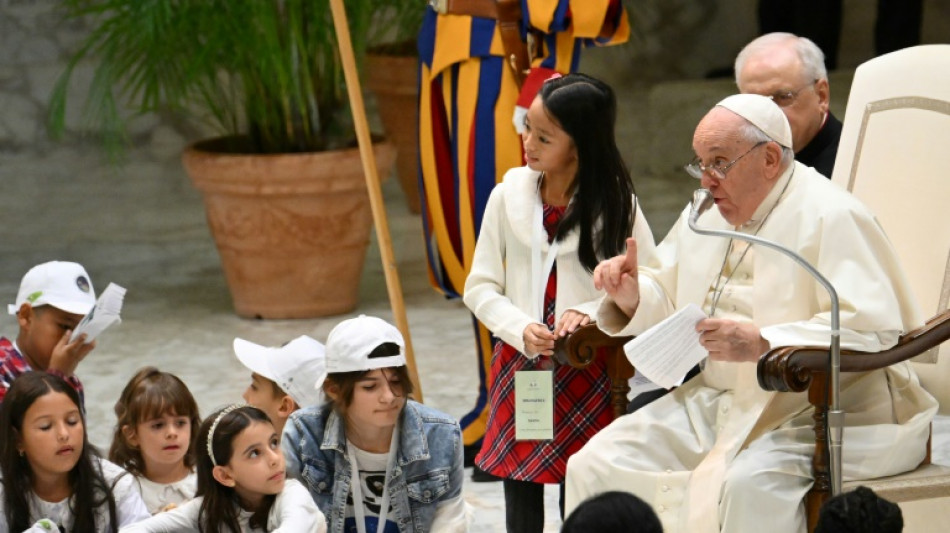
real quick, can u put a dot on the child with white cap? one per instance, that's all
(52, 299)
(282, 379)
(372, 459)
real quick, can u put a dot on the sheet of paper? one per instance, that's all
(534, 405)
(103, 314)
(666, 352)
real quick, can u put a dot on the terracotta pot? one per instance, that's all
(393, 80)
(291, 229)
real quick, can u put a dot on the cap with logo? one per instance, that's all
(294, 367)
(61, 284)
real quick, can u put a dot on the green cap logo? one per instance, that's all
(34, 296)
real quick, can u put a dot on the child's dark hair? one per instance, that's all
(151, 394)
(860, 510)
(612, 511)
(219, 508)
(346, 381)
(586, 109)
(87, 483)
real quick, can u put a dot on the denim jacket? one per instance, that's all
(428, 467)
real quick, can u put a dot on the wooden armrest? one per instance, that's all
(790, 368)
(581, 346)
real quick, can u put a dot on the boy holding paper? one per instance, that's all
(52, 299)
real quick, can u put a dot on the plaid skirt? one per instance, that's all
(581, 402)
(581, 409)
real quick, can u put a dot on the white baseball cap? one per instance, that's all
(294, 367)
(61, 284)
(763, 113)
(351, 341)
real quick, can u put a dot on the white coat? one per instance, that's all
(500, 286)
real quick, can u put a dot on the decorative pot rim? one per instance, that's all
(214, 145)
(277, 174)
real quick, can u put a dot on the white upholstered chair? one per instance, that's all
(894, 155)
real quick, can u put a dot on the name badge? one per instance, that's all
(534, 405)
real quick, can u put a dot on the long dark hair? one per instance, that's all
(220, 504)
(86, 481)
(586, 109)
(150, 394)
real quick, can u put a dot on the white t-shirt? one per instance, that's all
(159, 495)
(129, 507)
(372, 479)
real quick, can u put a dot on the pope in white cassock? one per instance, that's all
(719, 453)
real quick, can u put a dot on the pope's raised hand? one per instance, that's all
(617, 276)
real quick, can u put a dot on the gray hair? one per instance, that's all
(750, 132)
(812, 58)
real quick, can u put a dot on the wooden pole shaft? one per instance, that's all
(355, 93)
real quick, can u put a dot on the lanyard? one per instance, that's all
(540, 270)
(358, 490)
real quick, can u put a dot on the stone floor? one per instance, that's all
(142, 226)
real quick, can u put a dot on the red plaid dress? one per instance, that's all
(13, 365)
(581, 406)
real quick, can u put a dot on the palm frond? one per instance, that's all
(268, 69)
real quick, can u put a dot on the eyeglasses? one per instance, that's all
(696, 169)
(787, 98)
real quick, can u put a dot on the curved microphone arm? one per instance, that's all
(702, 201)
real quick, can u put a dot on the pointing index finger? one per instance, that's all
(630, 259)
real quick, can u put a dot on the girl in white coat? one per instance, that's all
(544, 230)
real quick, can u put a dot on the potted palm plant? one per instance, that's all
(283, 187)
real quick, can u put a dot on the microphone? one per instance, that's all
(702, 201)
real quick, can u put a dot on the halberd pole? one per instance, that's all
(393, 286)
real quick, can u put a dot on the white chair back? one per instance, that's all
(894, 155)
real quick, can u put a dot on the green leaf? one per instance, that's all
(266, 69)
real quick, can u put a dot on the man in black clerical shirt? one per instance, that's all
(791, 70)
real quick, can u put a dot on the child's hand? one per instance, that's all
(570, 321)
(538, 340)
(168, 507)
(67, 354)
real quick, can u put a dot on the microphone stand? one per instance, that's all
(703, 200)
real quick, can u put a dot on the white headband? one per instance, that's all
(214, 426)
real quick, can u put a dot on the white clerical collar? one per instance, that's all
(771, 199)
